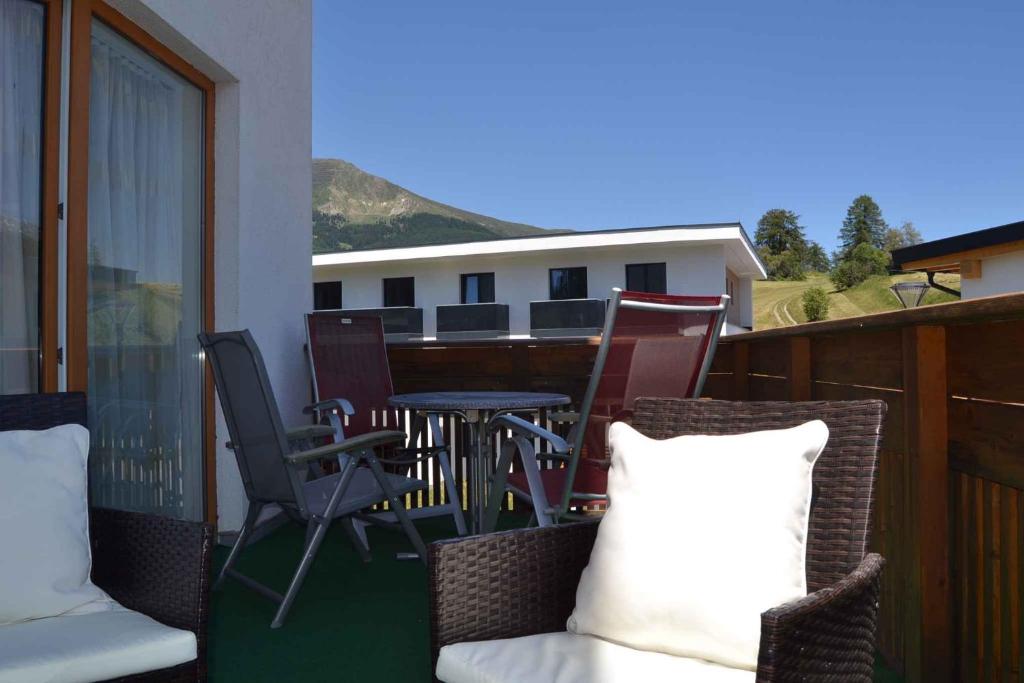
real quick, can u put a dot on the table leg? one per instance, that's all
(477, 475)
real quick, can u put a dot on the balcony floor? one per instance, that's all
(351, 621)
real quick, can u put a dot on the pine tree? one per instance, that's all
(778, 231)
(781, 244)
(863, 225)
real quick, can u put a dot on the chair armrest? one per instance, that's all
(564, 416)
(330, 404)
(155, 565)
(505, 584)
(310, 432)
(531, 431)
(831, 630)
(356, 443)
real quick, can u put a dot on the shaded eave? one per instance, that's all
(732, 234)
(947, 254)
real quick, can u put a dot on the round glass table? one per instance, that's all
(477, 408)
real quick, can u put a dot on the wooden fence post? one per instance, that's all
(800, 369)
(740, 371)
(929, 614)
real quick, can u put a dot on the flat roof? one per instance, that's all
(731, 234)
(957, 244)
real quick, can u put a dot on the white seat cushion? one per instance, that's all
(99, 641)
(569, 658)
(702, 535)
(44, 523)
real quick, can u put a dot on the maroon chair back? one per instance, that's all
(349, 360)
(657, 345)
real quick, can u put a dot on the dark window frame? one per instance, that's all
(646, 277)
(573, 269)
(402, 304)
(482, 297)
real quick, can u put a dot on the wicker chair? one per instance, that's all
(523, 582)
(154, 565)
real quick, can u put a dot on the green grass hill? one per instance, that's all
(778, 303)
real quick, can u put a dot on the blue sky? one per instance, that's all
(592, 114)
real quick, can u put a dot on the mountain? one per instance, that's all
(353, 209)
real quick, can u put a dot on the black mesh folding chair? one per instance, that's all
(272, 473)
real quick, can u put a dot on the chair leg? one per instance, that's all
(538, 495)
(319, 529)
(358, 537)
(315, 531)
(397, 507)
(251, 515)
(451, 489)
(508, 450)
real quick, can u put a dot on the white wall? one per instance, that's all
(999, 275)
(522, 278)
(260, 54)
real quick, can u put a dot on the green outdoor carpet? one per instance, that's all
(350, 622)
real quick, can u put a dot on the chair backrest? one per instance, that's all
(348, 359)
(254, 422)
(652, 345)
(41, 411)
(844, 475)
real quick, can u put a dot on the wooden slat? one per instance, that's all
(722, 360)
(985, 361)
(768, 388)
(799, 369)
(718, 386)
(987, 439)
(769, 357)
(741, 371)
(872, 358)
(892, 433)
(929, 613)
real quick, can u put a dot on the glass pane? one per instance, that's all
(472, 295)
(21, 131)
(568, 283)
(399, 291)
(145, 300)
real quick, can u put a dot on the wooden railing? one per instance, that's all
(949, 507)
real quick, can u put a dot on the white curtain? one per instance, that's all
(21, 109)
(145, 189)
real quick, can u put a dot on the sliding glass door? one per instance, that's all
(22, 77)
(144, 280)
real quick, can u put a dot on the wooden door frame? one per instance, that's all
(82, 14)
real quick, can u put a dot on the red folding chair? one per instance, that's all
(652, 345)
(352, 384)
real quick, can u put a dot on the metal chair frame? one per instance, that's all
(351, 455)
(568, 450)
(334, 408)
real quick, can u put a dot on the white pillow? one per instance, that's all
(45, 557)
(702, 535)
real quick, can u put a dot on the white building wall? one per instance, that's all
(522, 278)
(999, 275)
(259, 52)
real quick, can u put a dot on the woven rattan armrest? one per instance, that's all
(828, 635)
(506, 584)
(155, 565)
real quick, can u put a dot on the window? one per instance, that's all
(646, 277)
(477, 288)
(399, 291)
(326, 296)
(23, 54)
(141, 292)
(568, 283)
